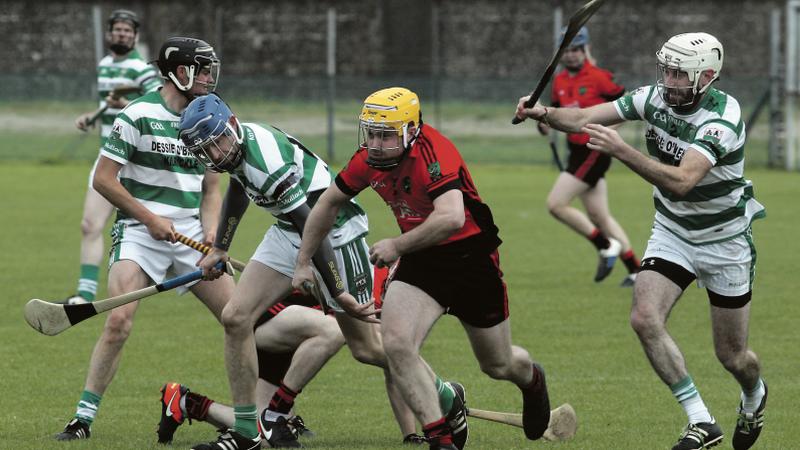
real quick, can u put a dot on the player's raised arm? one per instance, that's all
(570, 120)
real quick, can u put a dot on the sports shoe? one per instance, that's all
(628, 281)
(414, 439)
(699, 435)
(171, 415)
(749, 425)
(535, 407)
(457, 416)
(299, 427)
(74, 300)
(608, 256)
(277, 432)
(75, 429)
(231, 440)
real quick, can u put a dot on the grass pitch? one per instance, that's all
(576, 328)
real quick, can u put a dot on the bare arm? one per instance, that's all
(108, 185)
(324, 258)
(315, 232)
(210, 206)
(447, 218)
(570, 120)
(678, 180)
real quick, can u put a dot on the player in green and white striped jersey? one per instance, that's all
(279, 174)
(158, 189)
(704, 208)
(122, 68)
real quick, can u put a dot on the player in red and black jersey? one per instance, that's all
(582, 84)
(294, 339)
(445, 259)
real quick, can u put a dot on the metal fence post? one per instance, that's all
(331, 72)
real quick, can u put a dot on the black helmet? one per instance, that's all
(123, 15)
(194, 54)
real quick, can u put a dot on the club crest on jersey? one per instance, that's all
(434, 171)
(116, 130)
(581, 90)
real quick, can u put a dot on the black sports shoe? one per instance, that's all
(171, 415)
(749, 425)
(277, 432)
(607, 258)
(414, 439)
(75, 429)
(231, 440)
(697, 436)
(457, 416)
(299, 427)
(535, 407)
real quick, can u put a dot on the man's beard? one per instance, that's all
(120, 49)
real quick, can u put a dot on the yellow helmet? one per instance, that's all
(392, 110)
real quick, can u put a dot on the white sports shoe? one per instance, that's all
(608, 256)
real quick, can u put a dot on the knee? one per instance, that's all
(643, 321)
(89, 227)
(732, 360)
(554, 207)
(368, 353)
(496, 370)
(234, 320)
(397, 346)
(118, 328)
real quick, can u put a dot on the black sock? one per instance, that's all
(631, 261)
(599, 240)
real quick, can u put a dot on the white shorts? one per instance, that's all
(278, 250)
(726, 268)
(158, 259)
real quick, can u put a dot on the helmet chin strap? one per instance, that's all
(120, 49)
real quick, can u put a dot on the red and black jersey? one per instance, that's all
(590, 86)
(430, 168)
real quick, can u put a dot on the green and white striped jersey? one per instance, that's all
(127, 71)
(722, 205)
(277, 172)
(158, 170)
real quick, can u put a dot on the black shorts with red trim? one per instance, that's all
(464, 277)
(272, 367)
(587, 165)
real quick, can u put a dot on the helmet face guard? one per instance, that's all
(372, 137)
(195, 56)
(686, 57)
(391, 112)
(201, 62)
(204, 122)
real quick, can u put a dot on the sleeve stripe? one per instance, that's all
(453, 184)
(427, 152)
(342, 185)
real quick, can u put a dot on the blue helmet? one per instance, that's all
(203, 122)
(580, 39)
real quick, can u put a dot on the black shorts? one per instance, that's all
(587, 165)
(272, 367)
(464, 277)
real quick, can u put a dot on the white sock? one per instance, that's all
(687, 395)
(751, 400)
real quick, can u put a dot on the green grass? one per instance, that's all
(578, 329)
